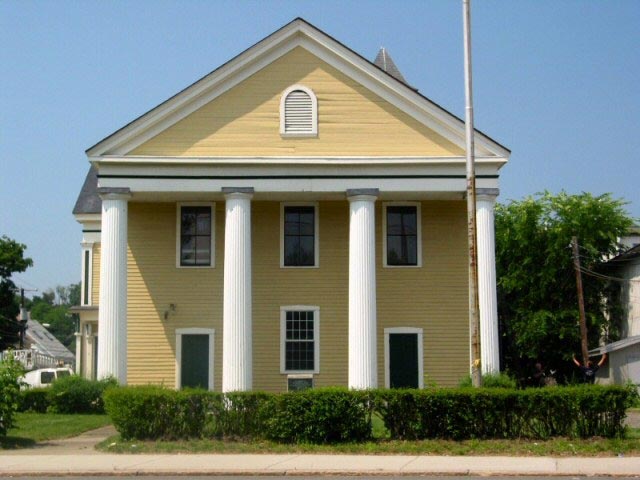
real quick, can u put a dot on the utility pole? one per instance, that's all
(23, 318)
(583, 321)
(474, 314)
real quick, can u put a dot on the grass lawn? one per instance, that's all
(36, 427)
(560, 447)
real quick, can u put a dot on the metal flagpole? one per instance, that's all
(474, 315)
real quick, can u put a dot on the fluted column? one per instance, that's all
(237, 357)
(490, 348)
(112, 315)
(363, 372)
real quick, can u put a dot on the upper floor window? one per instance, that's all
(195, 225)
(402, 237)
(298, 112)
(299, 237)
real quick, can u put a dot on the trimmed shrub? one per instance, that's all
(152, 412)
(504, 413)
(491, 380)
(74, 394)
(327, 415)
(10, 372)
(240, 415)
(34, 400)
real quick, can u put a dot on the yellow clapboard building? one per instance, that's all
(294, 219)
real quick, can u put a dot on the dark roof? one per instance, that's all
(46, 343)
(298, 19)
(624, 257)
(385, 62)
(88, 200)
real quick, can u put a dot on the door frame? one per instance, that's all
(193, 331)
(387, 362)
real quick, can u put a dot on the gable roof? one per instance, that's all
(88, 200)
(298, 32)
(46, 343)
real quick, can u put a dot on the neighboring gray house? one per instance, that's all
(624, 355)
(40, 339)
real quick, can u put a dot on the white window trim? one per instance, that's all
(316, 338)
(314, 113)
(193, 331)
(387, 373)
(179, 206)
(418, 206)
(316, 237)
(86, 247)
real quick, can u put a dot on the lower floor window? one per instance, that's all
(299, 339)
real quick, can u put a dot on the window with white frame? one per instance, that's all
(402, 234)
(299, 345)
(299, 235)
(87, 274)
(298, 112)
(195, 225)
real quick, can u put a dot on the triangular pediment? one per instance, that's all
(234, 111)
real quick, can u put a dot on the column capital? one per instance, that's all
(237, 192)
(358, 194)
(487, 194)
(86, 245)
(109, 193)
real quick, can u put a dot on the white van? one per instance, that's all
(44, 376)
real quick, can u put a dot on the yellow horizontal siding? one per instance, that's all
(432, 297)
(246, 120)
(95, 275)
(154, 283)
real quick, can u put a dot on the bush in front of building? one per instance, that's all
(75, 394)
(332, 415)
(467, 413)
(10, 372)
(324, 415)
(34, 400)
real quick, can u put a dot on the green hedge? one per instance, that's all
(34, 400)
(75, 394)
(339, 415)
(583, 411)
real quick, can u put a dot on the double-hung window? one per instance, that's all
(299, 327)
(402, 236)
(195, 236)
(299, 237)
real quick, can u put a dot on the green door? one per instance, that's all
(403, 360)
(194, 370)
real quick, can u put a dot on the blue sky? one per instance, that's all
(555, 81)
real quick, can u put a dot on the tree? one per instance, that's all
(53, 310)
(537, 298)
(12, 260)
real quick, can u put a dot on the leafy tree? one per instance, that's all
(12, 260)
(52, 309)
(10, 372)
(537, 296)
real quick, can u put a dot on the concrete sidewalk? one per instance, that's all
(112, 464)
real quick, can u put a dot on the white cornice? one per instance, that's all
(297, 33)
(332, 160)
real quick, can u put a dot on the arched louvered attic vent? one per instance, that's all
(298, 112)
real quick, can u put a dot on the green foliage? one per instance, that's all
(34, 400)
(459, 414)
(75, 394)
(61, 323)
(12, 260)
(538, 308)
(491, 380)
(239, 415)
(10, 372)
(327, 415)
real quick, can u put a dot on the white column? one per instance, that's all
(79, 352)
(112, 315)
(363, 372)
(237, 356)
(490, 356)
